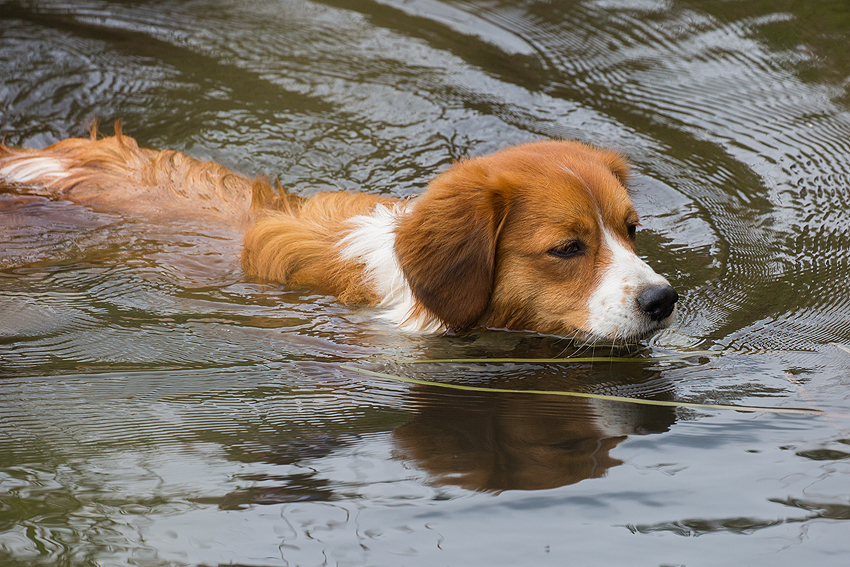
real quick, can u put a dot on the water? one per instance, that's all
(158, 408)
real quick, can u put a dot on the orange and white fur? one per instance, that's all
(536, 237)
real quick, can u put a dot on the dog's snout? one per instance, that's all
(657, 301)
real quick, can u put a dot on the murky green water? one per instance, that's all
(157, 408)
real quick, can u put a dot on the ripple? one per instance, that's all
(59, 80)
(697, 527)
(765, 132)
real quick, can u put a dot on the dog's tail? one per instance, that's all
(114, 174)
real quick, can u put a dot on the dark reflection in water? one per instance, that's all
(158, 409)
(523, 441)
(476, 440)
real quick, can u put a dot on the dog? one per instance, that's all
(537, 237)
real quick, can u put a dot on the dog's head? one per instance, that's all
(537, 237)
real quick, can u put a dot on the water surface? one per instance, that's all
(159, 408)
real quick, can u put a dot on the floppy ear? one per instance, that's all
(446, 245)
(618, 166)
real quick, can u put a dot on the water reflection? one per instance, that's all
(481, 441)
(509, 441)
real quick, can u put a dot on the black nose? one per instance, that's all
(657, 301)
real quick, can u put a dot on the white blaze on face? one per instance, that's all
(613, 307)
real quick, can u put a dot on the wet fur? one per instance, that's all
(288, 239)
(471, 251)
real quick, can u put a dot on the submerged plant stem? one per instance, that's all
(639, 401)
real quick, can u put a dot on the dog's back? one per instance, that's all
(287, 238)
(115, 175)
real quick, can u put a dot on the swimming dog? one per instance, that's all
(537, 237)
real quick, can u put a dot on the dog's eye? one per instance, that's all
(632, 229)
(567, 249)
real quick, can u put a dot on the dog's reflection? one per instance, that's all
(501, 441)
